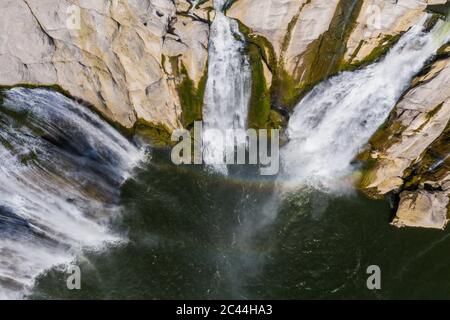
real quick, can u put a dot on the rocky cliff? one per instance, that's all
(126, 58)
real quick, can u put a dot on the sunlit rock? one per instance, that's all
(422, 209)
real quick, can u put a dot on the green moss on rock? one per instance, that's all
(53, 87)
(190, 95)
(276, 120)
(157, 134)
(379, 51)
(323, 58)
(191, 98)
(259, 107)
(387, 134)
(127, 132)
(434, 164)
(261, 54)
(441, 9)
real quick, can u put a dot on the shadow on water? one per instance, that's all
(198, 236)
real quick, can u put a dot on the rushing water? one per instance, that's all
(227, 92)
(337, 118)
(61, 171)
(184, 233)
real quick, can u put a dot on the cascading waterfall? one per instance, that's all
(336, 119)
(228, 89)
(61, 170)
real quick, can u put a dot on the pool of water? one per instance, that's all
(194, 235)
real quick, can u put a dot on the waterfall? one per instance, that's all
(336, 119)
(228, 87)
(60, 174)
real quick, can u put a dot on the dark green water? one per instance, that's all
(198, 236)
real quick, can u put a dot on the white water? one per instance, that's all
(336, 119)
(228, 87)
(60, 174)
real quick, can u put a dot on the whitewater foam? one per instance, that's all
(61, 170)
(228, 88)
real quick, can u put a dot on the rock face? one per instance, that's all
(140, 59)
(378, 22)
(303, 40)
(422, 116)
(413, 205)
(109, 53)
(412, 151)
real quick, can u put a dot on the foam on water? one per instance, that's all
(61, 170)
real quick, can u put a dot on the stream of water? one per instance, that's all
(227, 93)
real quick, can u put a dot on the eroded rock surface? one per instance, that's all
(146, 60)
(107, 52)
(412, 151)
(422, 209)
(379, 22)
(305, 42)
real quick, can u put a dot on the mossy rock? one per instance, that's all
(157, 134)
(434, 164)
(386, 135)
(53, 87)
(191, 96)
(322, 59)
(441, 9)
(259, 106)
(276, 120)
(385, 44)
